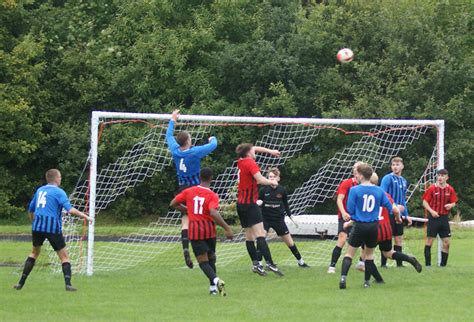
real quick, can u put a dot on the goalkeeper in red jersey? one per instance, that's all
(438, 200)
(201, 206)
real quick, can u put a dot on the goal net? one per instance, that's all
(127, 149)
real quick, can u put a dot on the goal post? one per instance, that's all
(377, 141)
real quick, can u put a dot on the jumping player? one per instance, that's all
(249, 212)
(342, 216)
(202, 204)
(274, 202)
(363, 205)
(45, 212)
(396, 186)
(438, 200)
(187, 159)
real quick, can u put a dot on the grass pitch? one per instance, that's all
(178, 294)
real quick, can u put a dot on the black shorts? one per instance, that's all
(249, 214)
(397, 229)
(278, 225)
(364, 233)
(385, 245)
(340, 226)
(56, 240)
(201, 247)
(438, 226)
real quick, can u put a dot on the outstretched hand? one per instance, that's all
(275, 153)
(175, 115)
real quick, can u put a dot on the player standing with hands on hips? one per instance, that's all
(396, 186)
(187, 159)
(249, 212)
(438, 200)
(45, 212)
(363, 205)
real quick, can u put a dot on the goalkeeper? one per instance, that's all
(274, 202)
(187, 159)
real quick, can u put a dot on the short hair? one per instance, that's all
(182, 137)
(51, 175)
(275, 171)
(374, 178)
(443, 171)
(397, 159)
(365, 170)
(243, 149)
(206, 174)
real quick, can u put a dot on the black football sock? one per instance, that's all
(207, 269)
(295, 251)
(29, 264)
(368, 269)
(374, 271)
(398, 249)
(185, 239)
(444, 259)
(252, 251)
(336, 253)
(346, 264)
(262, 247)
(383, 260)
(427, 255)
(67, 273)
(402, 257)
(212, 262)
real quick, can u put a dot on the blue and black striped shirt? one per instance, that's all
(47, 205)
(396, 187)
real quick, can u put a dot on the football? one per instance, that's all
(345, 55)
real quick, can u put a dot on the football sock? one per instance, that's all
(185, 239)
(444, 259)
(262, 247)
(398, 249)
(398, 256)
(368, 269)
(427, 255)
(29, 263)
(374, 271)
(252, 251)
(336, 253)
(346, 264)
(207, 269)
(212, 262)
(383, 260)
(67, 273)
(295, 252)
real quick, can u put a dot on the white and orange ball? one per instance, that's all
(345, 55)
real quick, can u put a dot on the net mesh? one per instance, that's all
(158, 242)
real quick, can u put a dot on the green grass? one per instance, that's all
(171, 294)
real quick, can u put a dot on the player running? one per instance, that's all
(363, 205)
(201, 205)
(342, 216)
(274, 202)
(45, 212)
(187, 159)
(438, 200)
(396, 186)
(249, 212)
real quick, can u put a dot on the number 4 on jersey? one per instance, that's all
(41, 199)
(182, 166)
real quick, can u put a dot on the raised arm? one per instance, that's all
(259, 149)
(170, 140)
(205, 149)
(264, 181)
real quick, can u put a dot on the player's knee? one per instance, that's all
(212, 257)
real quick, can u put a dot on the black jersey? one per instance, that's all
(275, 201)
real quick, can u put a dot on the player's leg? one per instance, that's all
(444, 234)
(288, 240)
(360, 266)
(346, 264)
(185, 240)
(204, 250)
(369, 238)
(398, 238)
(336, 252)
(431, 233)
(66, 267)
(262, 246)
(29, 263)
(243, 213)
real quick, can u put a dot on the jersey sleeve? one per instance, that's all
(386, 202)
(342, 189)
(214, 201)
(253, 168)
(428, 194)
(454, 196)
(64, 200)
(170, 140)
(181, 197)
(351, 202)
(261, 193)
(203, 150)
(284, 199)
(32, 205)
(385, 184)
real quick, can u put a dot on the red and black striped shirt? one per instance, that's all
(438, 197)
(199, 200)
(385, 227)
(343, 189)
(247, 191)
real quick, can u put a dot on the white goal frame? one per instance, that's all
(98, 115)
